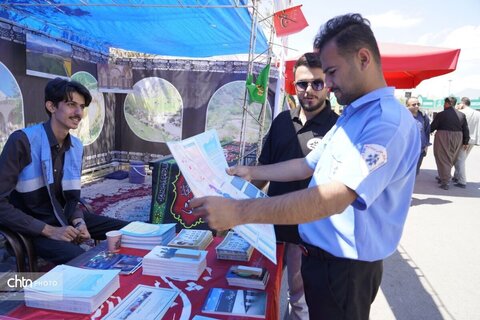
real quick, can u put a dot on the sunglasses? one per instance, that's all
(316, 85)
(415, 104)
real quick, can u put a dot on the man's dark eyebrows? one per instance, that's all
(327, 69)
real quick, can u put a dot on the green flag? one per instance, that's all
(258, 91)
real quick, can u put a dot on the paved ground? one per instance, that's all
(435, 273)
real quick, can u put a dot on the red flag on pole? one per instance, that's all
(289, 21)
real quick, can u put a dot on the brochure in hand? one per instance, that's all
(105, 260)
(247, 303)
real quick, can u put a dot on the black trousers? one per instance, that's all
(339, 288)
(59, 252)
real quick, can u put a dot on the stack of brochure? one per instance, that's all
(249, 277)
(72, 289)
(142, 235)
(105, 260)
(232, 302)
(234, 247)
(192, 239)
(185, 264)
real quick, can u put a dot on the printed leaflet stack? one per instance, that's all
(72, 289)
(142, 235)
(185, 264)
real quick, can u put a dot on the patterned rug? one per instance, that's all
(120, 199)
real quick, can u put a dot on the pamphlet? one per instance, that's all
(203, 164)
(248, 303)
(144, 302)
(105, 260)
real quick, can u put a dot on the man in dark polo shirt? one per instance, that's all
(292, 135)
(40, 170)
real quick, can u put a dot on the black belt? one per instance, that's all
(311, 251)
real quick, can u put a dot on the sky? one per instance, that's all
(447, 24)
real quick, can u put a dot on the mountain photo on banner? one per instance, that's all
(154, 110)
(225, 110)
(11, 105)
(289, 21)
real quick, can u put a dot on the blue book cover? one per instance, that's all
(105, 260)
(248, 303)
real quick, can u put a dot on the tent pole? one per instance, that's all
(264, 106)
(251, 51)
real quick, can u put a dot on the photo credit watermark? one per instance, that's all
(12, 284)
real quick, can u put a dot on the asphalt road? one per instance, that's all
(435, 272)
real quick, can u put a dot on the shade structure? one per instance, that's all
(404, 66)
(180, 28)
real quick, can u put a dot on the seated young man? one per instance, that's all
(40, 170)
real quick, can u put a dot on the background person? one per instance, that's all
(352, 215)
(452, 133)
(423, 123)
(473, 121)
(294, 134)
(40, 170)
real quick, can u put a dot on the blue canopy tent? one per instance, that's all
(182, 28)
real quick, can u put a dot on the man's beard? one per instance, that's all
(311, 108)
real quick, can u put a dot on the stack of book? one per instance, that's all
(142, 235)
(249, 277)
(192, 239)
(234, 247)
(232, 302)
(72, 289)
(105, 260)
(185, 264)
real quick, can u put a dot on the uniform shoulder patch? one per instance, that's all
(374, 155)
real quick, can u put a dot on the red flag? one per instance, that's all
(289, 21)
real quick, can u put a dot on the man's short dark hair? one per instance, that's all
(466, 101)
(309, 60)
(351, 32)
(59, 89)
(452, 100)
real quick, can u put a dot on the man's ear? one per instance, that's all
(50, 106)
(365, 57)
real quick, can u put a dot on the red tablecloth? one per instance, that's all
(196, 297)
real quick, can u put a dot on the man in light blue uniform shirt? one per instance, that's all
(352, 214)
(360, 162)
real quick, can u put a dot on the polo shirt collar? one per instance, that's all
(320, 118)
(52, 140)
(369, 97)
